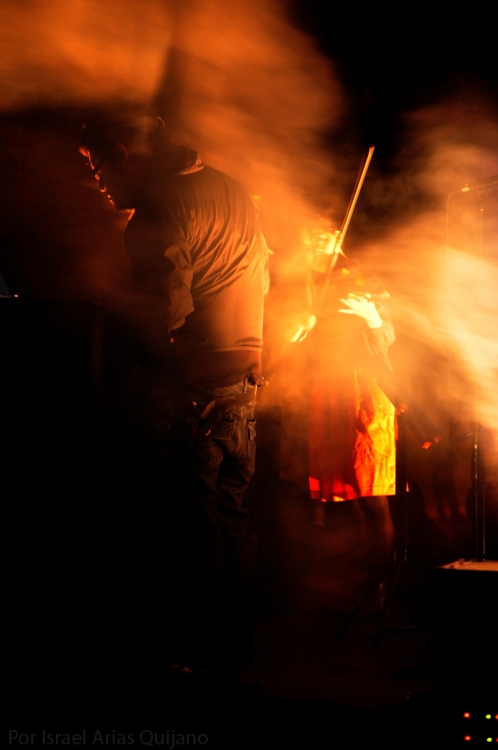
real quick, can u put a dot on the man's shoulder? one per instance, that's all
(211, 173)
(225, 182)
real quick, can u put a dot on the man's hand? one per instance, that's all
(363, 308)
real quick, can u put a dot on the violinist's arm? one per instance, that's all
(382, 338)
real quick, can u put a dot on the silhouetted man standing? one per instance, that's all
(199, 263)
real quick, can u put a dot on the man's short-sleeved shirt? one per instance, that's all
(197, 251)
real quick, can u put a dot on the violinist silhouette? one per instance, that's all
(351, 421)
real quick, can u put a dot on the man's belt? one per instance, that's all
(224, 404)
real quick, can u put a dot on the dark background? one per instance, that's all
(395, 60)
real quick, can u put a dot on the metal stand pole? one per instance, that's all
(478, 524)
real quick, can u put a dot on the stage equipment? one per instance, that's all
(485, 184)
(4, 289)
(464, 654)
(483, 188)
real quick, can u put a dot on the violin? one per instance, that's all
(327, 248)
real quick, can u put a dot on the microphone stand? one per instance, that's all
(483, 188)
(478, 504)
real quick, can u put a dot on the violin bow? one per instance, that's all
(345, 225)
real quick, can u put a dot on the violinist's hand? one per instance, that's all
(363, 308)
(301, 327)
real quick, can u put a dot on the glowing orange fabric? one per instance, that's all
(351, 423)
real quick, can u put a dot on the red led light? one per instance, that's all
(467, 738)
(466, 715)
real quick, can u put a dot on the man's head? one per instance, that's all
(119, 141)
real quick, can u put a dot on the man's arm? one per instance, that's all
(165, 285)
(162, 272)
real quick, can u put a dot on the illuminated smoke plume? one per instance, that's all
(80, 51)
(253, 94)
(257, 100)
(441, 264)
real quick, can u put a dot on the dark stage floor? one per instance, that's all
(306, 687)
(74, 660)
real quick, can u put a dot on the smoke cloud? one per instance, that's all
(71, 53)
(254, 96)
(438, 258)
